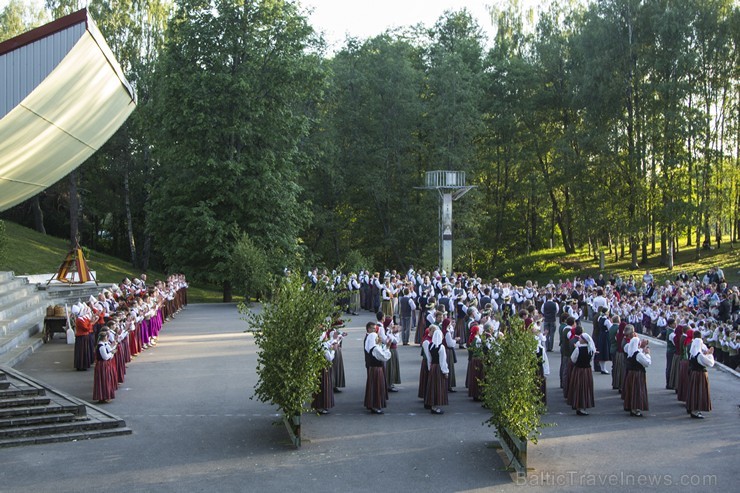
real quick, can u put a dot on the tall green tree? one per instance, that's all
(228, 118)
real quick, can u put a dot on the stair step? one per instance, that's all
(12, 284)
(4, 385)
(37, 419)
(11, 295)
(21, 391)
(64, 437)
(6, 275)
(20, 330)
(24, 402)
(19, 353)
(23, 305)
(9, 412)
(55, 428)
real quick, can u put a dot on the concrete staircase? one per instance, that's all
(22, 311)
(32, 413)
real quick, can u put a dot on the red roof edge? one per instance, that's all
(44, 31)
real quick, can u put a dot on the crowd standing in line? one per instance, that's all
(121, 322)
(696, 315)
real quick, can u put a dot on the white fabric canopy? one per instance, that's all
(68, 116)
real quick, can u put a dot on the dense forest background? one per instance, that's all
(613, 124)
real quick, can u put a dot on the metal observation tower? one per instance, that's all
(450, 185)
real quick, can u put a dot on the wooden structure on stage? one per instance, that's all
(74, 263)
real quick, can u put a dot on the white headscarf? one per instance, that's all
(591, 345)
(697, 346)
(437, 338)
(632, 347)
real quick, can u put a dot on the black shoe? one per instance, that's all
(604, 372)
(451, 390)
(323, 411)
(392, 389)
(581, 413)
(636, 414)
(437, 410)
(697, 416)
(337, 391)
(376, 411)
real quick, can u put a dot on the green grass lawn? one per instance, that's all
(554, 264)
(30, 252)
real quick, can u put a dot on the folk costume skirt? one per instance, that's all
(683, 380)
(324, 399)
(673, 376)
(635, 391)
(83, 357)
(337, 369)
(451, 380)
(393, 369)
(375, 389)
(697, 394)
(618, 370)
(436, 392)
(423, 378)
(104, 380)
(475, 375)
(581, 388)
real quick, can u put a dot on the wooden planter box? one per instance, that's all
(515, 449)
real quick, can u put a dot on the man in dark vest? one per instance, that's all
(407, 306)
(550, 310)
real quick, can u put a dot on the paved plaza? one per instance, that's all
(196, 429)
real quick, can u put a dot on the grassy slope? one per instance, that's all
(554, 264)
(30, 252)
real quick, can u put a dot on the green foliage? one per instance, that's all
(354, 261)
(229, 115)
(287, 332)
(511, 384)
(250, 271)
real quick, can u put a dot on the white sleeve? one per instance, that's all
(706, 360)
(574, 354)
(329, 354)
(643, 359)
(443, 360)
(449, 339)
(427, 355)
(412, 304)
(671, 337)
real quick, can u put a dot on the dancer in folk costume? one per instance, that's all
(323, 400)
(698, 399)
(393, 365)
(543, 364)
(436, 389)
(675, 339)
(337, 362)
(475, 363)
(635, 383)
(387, 292)
(105, 379)
(601, 340)
(407, 307)
(565, 335)
(619, 358)
(84, 352)
(683, 365)
(581, 381)
(449, 342)
(375, 356)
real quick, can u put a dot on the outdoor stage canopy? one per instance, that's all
(62, 96)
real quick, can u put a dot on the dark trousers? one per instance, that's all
(668, 363)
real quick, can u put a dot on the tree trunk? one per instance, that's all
(644, 250)
(38, 215)
(228, 296)
(129, 220)
(74, 210)
(144, 257)
(633, 251)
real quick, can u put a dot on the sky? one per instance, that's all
(367, 18)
